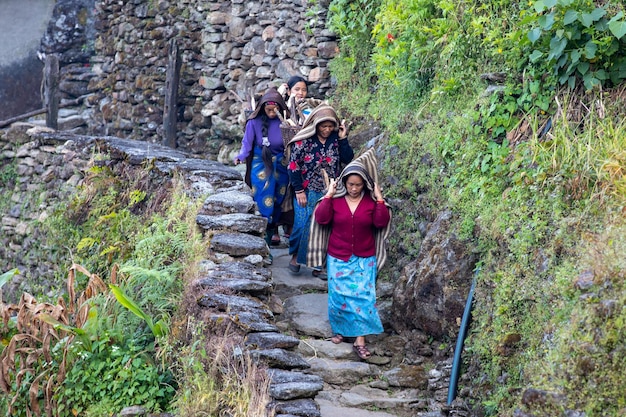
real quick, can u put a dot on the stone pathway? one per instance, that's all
(384, 386)
(283, 317)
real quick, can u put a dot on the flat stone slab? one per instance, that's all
(330, 409)
(234, 304)
(280, 358)
(235, 222)
(238, 276)
(239, 244)
(228, 202)
(342, 372)
(249, 322)
(308, 314)
(271, 340)
(303, 408)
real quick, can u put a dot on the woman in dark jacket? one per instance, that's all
(318, 150)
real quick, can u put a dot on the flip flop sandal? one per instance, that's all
(319, 274)
(275, 240)
(336, 339)
(361, 351)
(294, 269)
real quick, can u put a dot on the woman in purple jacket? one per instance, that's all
(262, 149)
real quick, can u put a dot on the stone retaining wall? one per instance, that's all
(36, 175)
(230, 50)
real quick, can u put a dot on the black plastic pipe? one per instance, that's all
(456, 364)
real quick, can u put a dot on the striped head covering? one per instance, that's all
(366, 166)
(322, 113)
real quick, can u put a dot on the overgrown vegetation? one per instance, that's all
(115, 337)
(511, 115)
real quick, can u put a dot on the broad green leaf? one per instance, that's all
(618, 28)
(617, 17)
(590, 81)
(549, 3)
(127, 302)
(590, 50)
(575, 56)
(583, 67)
(534, 57)
(564, 3)
(586, 19)
(539, 6)
(534, 34)
(570, 16)
(571, 82)
(546, 21)
(601, 75)
(4, 278)
(47, 318)
(557, 46)
(598, 13)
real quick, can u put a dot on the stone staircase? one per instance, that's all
(284, 317)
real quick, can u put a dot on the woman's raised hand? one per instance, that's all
(343, 129)
(378, 192)
(332, 188)
(282, 90)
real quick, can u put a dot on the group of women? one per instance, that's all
(340, 219)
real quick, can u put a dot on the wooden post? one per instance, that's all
(51, 89)
(171, 95)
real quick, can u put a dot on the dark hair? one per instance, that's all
(295, 80)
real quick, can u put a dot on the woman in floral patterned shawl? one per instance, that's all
(319, 149)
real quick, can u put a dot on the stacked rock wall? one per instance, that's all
(35, 176)
(230, 50)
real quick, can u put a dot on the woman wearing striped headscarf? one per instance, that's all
(350, 226)
(319, 148)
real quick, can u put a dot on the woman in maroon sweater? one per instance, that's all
(353, 214)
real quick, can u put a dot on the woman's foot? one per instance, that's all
(361, 351)
(318, 273)
(336, 339)
(294, 267)
(275, 239)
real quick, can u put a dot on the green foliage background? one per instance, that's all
(533, 166)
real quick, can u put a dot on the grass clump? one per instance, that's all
(219, 377)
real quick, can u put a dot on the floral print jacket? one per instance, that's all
(308, 158)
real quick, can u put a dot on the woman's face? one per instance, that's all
(299, 90)
(354, 185)
(271, 110)
(324, 129)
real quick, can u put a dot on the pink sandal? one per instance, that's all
(336, 339)
(361, 351)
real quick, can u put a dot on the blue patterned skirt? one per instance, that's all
(269, 192)
(352, 309)
(299, 239)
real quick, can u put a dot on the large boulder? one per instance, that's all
(431, 292)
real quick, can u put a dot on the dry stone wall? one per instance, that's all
(230, 50)
(37, 175)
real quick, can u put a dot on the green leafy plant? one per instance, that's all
(579, 41)
(158, 329)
